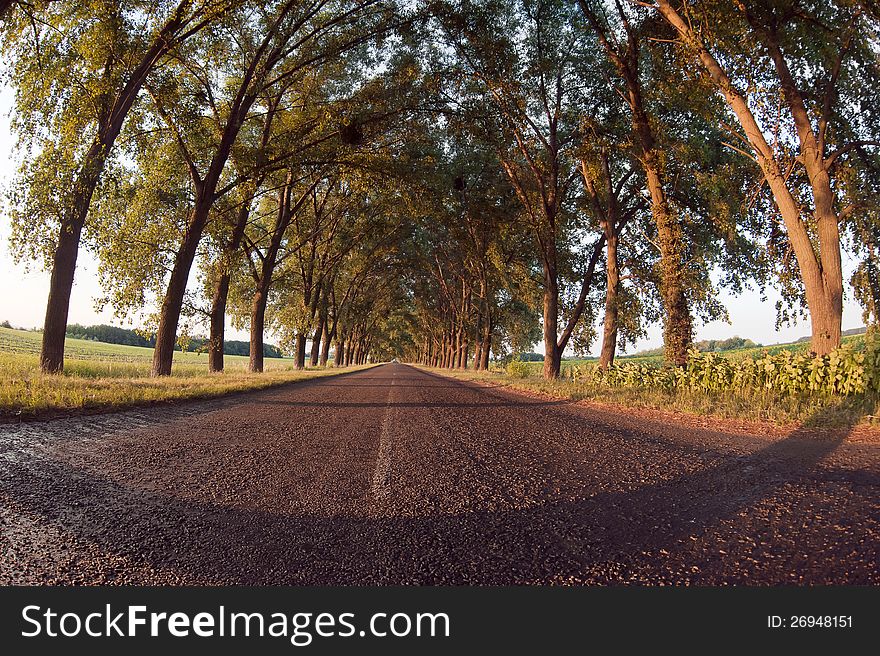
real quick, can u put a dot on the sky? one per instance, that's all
(23, 293)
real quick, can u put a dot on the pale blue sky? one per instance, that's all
(23, 297)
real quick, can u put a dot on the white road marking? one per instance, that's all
(380, 488)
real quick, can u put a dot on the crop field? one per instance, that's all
(534, 368)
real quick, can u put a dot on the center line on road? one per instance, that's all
(380, 488)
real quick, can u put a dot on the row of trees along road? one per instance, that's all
(441, 181)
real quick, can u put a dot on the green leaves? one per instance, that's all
(847, 371)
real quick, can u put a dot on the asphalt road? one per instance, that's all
(396, 476)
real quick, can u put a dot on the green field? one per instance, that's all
(99, 376)
(26, 343)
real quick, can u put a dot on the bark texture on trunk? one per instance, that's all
(316, 344)
(258, 325)
(221, 287)
(326, 338)
(172, 304)
(612, 281)
(487, 345)
(58, 305)
(338, 360)
(552, 356)
(218, 323)
(677, 324)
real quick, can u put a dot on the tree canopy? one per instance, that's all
(450, 181)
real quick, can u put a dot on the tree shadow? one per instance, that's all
(409, 404)
(604, 538)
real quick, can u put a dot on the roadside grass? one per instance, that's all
(811, 410)
(99, 376)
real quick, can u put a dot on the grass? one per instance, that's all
(812, 410)
(27, 342)
(99, 376)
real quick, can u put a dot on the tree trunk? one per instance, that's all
(316, 342)
(349, 351)
(169, 315)
(258, 321)
(677, 325)
(609, 333)
(221, 288)
(172, 304)
(326, 338)
(300, 362)
(58, 305)
(487, 343)
(218, 323)
(826, 315)
(552, 356)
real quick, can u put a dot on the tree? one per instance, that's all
(263, 258)
(273, 46)
(522, 57)
(626, 54)
(100, 56)
(812, 56)
(614, 201)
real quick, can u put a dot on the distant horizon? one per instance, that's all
(571, 356)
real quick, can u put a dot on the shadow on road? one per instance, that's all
(669, 531)
(406, 404)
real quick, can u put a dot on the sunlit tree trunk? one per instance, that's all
(258, 321)
(612, 281)
(169, 316)
(218, 323)
(221, 289)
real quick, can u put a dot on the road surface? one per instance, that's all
(392, 475)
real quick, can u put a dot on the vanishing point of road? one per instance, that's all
(392, 475)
